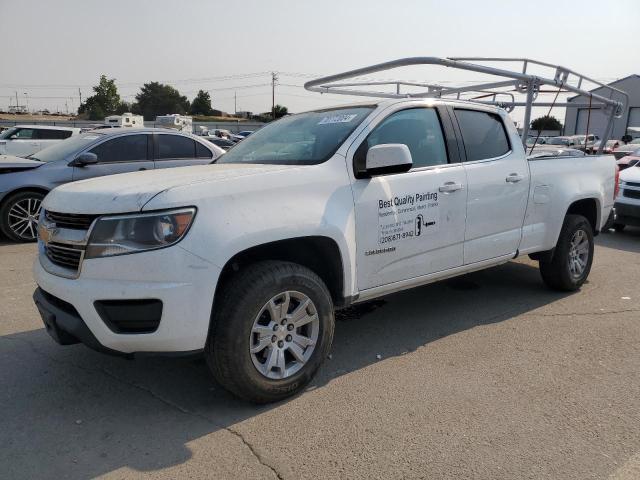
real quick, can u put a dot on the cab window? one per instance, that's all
(417, 128)
(483, 134)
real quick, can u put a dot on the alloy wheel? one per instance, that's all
(284, 335)
(23, 218)
(578, 253)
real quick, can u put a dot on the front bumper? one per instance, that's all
(183, 282)
(627, 214)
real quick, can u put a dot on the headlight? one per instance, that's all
(122, 234)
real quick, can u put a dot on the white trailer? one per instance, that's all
(125, 120)
(175, 121)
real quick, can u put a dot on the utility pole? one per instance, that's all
(16, 100)
(80, 95)
(274, 79)
(235, 102)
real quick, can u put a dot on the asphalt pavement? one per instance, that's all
(487, 376)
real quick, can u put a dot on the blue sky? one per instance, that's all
(50, 48)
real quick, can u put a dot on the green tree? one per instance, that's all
(157, 99)
(546, 123)
(124, 107)
(280, 111)
(201, 105)
(105, 101)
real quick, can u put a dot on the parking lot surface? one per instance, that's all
(486, 376)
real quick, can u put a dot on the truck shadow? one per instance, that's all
(73, 413)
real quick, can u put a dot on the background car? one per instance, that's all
(609, 147)
(561, 141)
(555, 151)
(584, 142)
(623, 150)
(221, 142)
(24, 140)
(24, 182)
(629, 160)
(244, 133)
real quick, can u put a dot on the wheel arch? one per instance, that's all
(318, 253)
(590, 209)
(30, 188)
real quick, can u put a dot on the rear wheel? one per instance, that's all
(19, 216)
(570, 264)
(272, 328)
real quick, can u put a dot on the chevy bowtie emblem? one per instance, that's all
(46, 232)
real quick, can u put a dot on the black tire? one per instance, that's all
(556, 272)
(6, 218)
(618, 227)
(236, 307)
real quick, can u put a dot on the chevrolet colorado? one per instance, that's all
(248, 258)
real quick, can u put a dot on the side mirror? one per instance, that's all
(388, 158)
(84, 159)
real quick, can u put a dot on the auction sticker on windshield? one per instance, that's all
(405, 217)
(337, 119)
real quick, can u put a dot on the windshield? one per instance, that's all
(8, 133)
(66, 147)
(303, 139)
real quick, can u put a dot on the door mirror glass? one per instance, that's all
(388, 158)
(84, 159)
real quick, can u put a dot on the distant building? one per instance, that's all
(244, 114)
(576, 118)
(18, 109)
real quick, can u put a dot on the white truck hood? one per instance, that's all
(631, 174)
(129, 192)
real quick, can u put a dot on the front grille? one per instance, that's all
(74, 221)
(632, 184)
(631, 193)
(64, 256)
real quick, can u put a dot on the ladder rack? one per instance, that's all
(514, 82)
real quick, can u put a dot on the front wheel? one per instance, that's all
(570, 264)
(19, 216)
(272, 328)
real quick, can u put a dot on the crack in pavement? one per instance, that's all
(156, 396)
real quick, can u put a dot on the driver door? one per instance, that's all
(411, 224)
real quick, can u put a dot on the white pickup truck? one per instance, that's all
(247, 259)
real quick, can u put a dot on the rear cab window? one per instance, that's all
(483, 134)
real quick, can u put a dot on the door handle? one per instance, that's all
(140, 169)
(450, 187)
(514, 178)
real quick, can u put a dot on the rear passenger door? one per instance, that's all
(498, 185)
(125, 153)
(174, 150)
